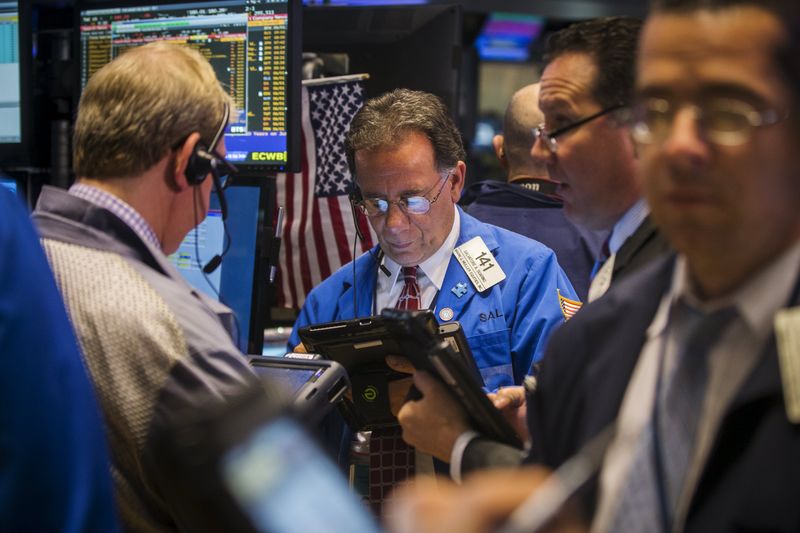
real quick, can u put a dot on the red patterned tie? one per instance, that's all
(410, 295)
(391, 460)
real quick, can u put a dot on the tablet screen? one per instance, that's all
(285, 484)
(291, 380)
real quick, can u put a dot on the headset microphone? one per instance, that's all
(212, 264)
(355, 197)
(379, 260)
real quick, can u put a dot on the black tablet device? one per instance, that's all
(424, 347)
(314, 385)
(361, 346)
(363, 343)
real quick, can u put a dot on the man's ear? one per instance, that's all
(497, 143)
(182, 156)
(458, 178)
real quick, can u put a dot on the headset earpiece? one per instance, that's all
(199, 165)
(355, 194)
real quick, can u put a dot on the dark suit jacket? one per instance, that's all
(644, 245)
(753, 471)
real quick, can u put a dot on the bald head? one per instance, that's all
(514, 146)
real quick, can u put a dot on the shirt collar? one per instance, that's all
(121, 209)
(435, 267)
(627, 225)
(756, 301)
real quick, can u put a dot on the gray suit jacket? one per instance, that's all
(153, 345)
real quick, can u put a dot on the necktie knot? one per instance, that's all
(409, 274)
(410, 296)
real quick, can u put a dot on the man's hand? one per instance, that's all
(433, 423)
(398, 388)
(483, 502)
(300, 348)
(511, 402)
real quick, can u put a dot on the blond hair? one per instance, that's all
(141, 105)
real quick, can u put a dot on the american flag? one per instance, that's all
(568, 307)
(318, 228)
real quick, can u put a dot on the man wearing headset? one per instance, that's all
(148, 148)
(408, 161)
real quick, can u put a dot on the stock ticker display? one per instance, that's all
(246, 42)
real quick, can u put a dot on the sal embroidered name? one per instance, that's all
(391, 460)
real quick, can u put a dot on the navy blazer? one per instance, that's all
(752, 476)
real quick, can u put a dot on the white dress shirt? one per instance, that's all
(430, 277)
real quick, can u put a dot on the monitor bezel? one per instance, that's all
(261, 292)
(294, 64)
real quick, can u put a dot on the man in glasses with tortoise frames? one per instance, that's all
(587, 89)
(691, 363)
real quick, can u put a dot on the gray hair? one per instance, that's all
(387, 119)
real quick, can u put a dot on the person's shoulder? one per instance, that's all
(16, 231)
(521, 247)
(639, 293)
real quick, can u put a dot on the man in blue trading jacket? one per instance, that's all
(409, 166)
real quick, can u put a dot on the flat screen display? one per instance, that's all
(508, 37)
(290, 380)
(10, 75)
(234, 280)
(249, 45)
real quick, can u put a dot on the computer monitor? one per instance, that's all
(236, 282)
(414, 47)
(253, 45)
(15, 92)
(508, 37)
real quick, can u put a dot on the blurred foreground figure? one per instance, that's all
(55, 470)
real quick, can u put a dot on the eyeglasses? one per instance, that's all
(415, 205)
(723, 121)
(549, 139)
